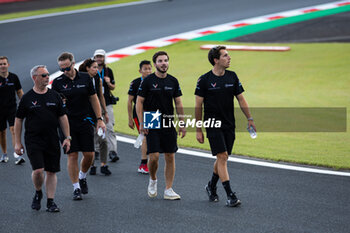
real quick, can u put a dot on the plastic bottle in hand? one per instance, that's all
(139, 140)
(252, 132)
(101, 133)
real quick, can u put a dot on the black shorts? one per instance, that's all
(162, 141)
(221, 140)
(82, 133)
(49, 159)
(7, 115)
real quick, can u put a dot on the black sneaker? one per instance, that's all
(113, 156)
(213, 197)
(77, 195)
(97, 155)
(83, 186)
(36, 204)
(93, 170)
(105, 170)
(232, 200)
(52, 207)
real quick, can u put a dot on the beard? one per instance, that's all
(162, 71)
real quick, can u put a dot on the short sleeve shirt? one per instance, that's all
(8, 88)
(106, 91)
(159, 93)
(134, 87)
(218, 93)
(41, 112)
(77, 92)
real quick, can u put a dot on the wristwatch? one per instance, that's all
(69, 138)
(100, 118)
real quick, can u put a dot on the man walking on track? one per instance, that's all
(216, 90)
(43, 110)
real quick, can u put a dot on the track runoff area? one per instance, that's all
(229, 31)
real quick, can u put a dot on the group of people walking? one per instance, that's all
(80, 106)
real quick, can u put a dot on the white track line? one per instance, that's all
(116, 55)
(78, 11)
(249, 161)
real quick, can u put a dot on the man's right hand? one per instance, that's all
(143, 130)
(19, 149)
(200, 136)
(131, 124)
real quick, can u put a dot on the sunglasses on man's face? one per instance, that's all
(66, 69)
(44, 75)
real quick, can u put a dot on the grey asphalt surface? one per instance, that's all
(274, 200)
(29, 5)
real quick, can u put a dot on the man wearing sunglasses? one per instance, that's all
(44, 112)
(9, 87)
(79, 91)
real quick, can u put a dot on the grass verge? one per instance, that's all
(310, 75)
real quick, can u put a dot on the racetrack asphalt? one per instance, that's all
(273, 200)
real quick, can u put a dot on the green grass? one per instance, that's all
(310, 75)
(61, 9)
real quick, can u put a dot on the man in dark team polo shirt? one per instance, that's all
(145, 70)
(79, 92)
(43, 110)
(156, 94)
(216, 90)
(9, 87)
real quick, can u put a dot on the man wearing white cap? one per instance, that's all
(106, 74)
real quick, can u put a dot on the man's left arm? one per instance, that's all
(63, 120)
(19, 93)
(245, 109)
(109, 79)
(180, 113)
(95, 103)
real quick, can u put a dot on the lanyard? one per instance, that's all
(102, 74)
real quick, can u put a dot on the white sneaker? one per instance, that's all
(20, 160)
(16, 155)
(4, 158)
(169, 194)
(152, 188)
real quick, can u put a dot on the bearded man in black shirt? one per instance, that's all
(157, 93)
(43, 110)
(216, 90)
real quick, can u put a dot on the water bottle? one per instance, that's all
(139, 140)
(252, 132)
(101, 133)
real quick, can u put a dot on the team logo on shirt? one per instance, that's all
(35, 104)
(65, 86)
(155, 85)
(151, 120)
(213, 86)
